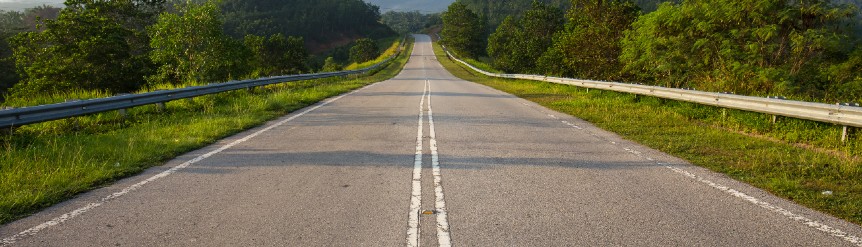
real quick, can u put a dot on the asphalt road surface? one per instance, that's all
(426, 159)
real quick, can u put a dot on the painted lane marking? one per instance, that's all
(77, 212)
(775, 209)
(416, 192)
(443, 237)
(572, 125)
(765, 205)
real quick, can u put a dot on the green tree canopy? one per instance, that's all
(589, 47)
(364, 50)
(409, 22)
(318, 21)
(330, 65)
(746, 46)
(191, 47)
(517, 45)
(277, 55)
(92, 45)
(463, 31)
(498, 10)
(503, 43)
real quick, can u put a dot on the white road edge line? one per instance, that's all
(77, 212)
(416, 192)
(765, 205)
(776, 209)
(443, 238)
(768, 206)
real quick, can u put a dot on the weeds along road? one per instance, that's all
(428, 159)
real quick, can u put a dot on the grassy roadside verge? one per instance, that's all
(799, 166)
(46, 163)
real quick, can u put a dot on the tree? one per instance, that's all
(529, 38)
(463, 31)
(589, 47)
(191, 47)
(276, 55)
(502, 45)
(11, 22)
(846, 78)
(35, 16)
(92, 45)
(540, 23)
(405, 22)
(295, 58)
(318, 21)
(496, 11)
(745, 46)
(330, 65)
(364, 50)
(8, 75)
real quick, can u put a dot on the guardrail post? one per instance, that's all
(162, 106)
(848, 131)
(776, 118)
(846, 134)
(123, 112)
(9, 130)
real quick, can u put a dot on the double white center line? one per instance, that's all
(413, 230)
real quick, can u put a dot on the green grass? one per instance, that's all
(794, 159)
(390, 50)
(46, 163)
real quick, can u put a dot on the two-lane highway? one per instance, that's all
(427, 159)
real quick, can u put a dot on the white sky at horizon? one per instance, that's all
(33, 1)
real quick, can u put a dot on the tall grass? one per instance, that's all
(794, 159)
(391, 50)
(45, 163)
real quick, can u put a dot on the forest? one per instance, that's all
(807, 50)
(125, 46)
(410, 22)
(497, 11)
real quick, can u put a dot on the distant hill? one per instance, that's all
(19, 5)
(498, 10)
(424, 6)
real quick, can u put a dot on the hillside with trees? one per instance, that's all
(112, 47)
(318, 21)
(423, 6)
(805, 49)
(496, 11)
(410, 22)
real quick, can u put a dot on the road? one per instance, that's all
(426, 159)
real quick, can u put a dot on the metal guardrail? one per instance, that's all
(841, 114)
(37, 114)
